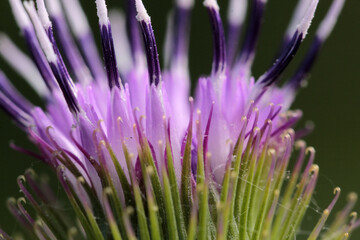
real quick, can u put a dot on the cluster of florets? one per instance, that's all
(135, 155)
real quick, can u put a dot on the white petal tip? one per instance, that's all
(212, 4)
(237, 12)
(142, 14)
(304, 26)
(20, 15)
(43, 14)
(53, 7)
(102, 12)
(76, 16)
(44, 41)
(330, 20)
(185, 4)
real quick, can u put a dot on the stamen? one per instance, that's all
(207, 131)
(275, 71)
(65, 83)
(315, 233)
(150, 43)
(4, 235)
(11, 205)
(22, 64)
(23, 211)
(219, 59)
(81, 29)
(322, 34)
(236, 18)
(107, 45)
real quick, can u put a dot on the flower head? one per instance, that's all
(135, 155)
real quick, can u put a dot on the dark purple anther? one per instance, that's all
(60, 61)
(109, 55)
(152, 55)
(277, 69)
(107, 45)
(219, 59)
(63, 80)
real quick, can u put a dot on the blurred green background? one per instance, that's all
(331, 100)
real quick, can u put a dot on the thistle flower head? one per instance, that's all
(139, 158)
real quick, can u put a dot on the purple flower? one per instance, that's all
(121, 129)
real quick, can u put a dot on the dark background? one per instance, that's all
(331, 99)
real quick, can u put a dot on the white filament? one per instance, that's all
(76, 17)
(44, 41)
(142, 14)
(330, 20)
(22, 64)
(19, 13)
(102, 12)
(237, 12)
(43, 14)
